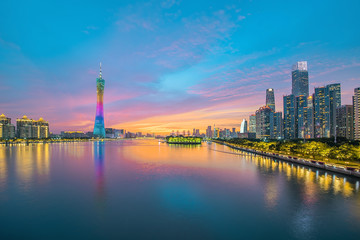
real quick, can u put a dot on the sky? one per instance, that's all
(169, 64)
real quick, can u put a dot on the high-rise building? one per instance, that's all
(24, 127)
(4, 120)
(40, 129)
(233, 133)
(252, 123)
(309, 124)
(300, 79)
(209, 133)
(320, 116)
(289, 117)
(243, 126)
(270, 98)
(345, 121)
(300, 117)
(99, 127)
(276, 125)
(332, 102)
(7, 130)
(216, 132)
(263, 122)
(197, 132)
(356, 103)
(326, 100)
(29, 128)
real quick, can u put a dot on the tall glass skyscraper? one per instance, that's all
(263, 122)
(244, 126)
(301, 114)
(99, 127)
(356, 103)
(276, 125)
(326, 100)
(270, 98)
(300, 79)
(332, 102)
(320, 119)
(289, 117)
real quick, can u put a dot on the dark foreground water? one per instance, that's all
(143, 189)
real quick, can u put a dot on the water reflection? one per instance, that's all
(314, 179)
(99, 155)
(32, 163)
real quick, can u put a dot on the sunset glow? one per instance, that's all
(168, 65)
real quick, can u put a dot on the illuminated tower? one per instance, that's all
(99, 128)
(300, 79)
(270, 98)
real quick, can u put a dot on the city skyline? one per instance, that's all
(210, 70)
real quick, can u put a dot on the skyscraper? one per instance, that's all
(332, 101)
(270, 98)
(326, 100)
(243, 126)
(345, 121)
(252, 123)
(356, 103)
(301, 113)
(289, 117)
(300, 79)
(320, 119)
(309, 125)
(263, 122)
(209, 133)
(276, 125)
(99, 127)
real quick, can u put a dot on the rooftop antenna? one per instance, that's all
(100, 70)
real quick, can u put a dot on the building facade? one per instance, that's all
(28, 128)
(289, 117)
(270, 98)
(244, 126)
(276, 125)
(252, 123)
(309, 125)
(326, 100)
(356, 104)
(263, 122)
(209, 133)
(300, 79)
(301, 116)
(7, 130)
(320, 114)
(332, 102)
(345, 122)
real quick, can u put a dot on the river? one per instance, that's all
(143, 189)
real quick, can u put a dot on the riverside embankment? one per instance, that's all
(311, 163)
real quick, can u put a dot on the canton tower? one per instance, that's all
(99, 128)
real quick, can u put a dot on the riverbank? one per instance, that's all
(355, 172)
(31, 141)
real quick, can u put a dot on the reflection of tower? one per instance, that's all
(99, 128)
(99, 152)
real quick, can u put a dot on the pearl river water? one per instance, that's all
(143, 189)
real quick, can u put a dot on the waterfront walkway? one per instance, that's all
(311, 163)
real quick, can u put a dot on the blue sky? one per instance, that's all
(169, 64)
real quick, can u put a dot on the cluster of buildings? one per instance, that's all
(109, 133)
(25, 128)
(319, 115)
